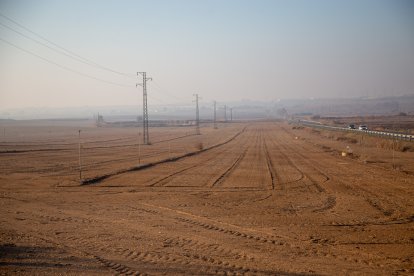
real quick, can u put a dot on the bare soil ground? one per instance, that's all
(259, 199)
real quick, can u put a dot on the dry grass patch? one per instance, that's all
(396, 145)
(347, 139)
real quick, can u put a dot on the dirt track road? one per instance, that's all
(264, 203)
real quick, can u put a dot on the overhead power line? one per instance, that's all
(41, 43)
(164, 91)
(68, 53)
(62, 66)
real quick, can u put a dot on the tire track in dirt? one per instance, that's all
(313, 181)
(400, 221)
(125, 261)
(374, 200)
(290, 163)
(264, 154)
(196, 253)
(229, 170)
(66, 219)
(330, 202)
(200, 163)
(97, 251)
(327, 205)
(120, 269)
(193, 248)
(271, 168)
(149, 261)
(200, 255)
(210, 248)
(306, 159)
(165, 178)
(245, 170)
(222, 227)
(236, 233)
(145, 166)
(379, 203)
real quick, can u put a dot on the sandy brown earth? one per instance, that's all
(260, 199)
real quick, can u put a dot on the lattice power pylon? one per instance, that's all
(144, 107)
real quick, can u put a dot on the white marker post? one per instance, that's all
(139, 149)
(80, 160)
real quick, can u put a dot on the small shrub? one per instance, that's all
(199, 146)
(347, 139)
(353, 140)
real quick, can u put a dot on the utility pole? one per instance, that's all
(225, 113)
(215, 121)
(231, 114)
(197, 115)
(144, 106)
(80, 160)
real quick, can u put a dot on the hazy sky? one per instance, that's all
(223, 50)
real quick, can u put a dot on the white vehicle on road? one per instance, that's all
(363, 127)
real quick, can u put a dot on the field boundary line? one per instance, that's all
(100, 178)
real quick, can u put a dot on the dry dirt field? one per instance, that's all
(261, 198)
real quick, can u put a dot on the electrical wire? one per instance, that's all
(41, 43)
(155, 98)
(68, 52)
(62, 66)
(63, 51)
(161, 90)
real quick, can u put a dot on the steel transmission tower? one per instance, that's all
(225, 113)
(231, 114)
(144, 106)
(197, 116)
(215, 121)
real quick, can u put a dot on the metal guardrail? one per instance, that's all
(390, 135)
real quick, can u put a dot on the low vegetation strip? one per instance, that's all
(100, 178)
(398, 136)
